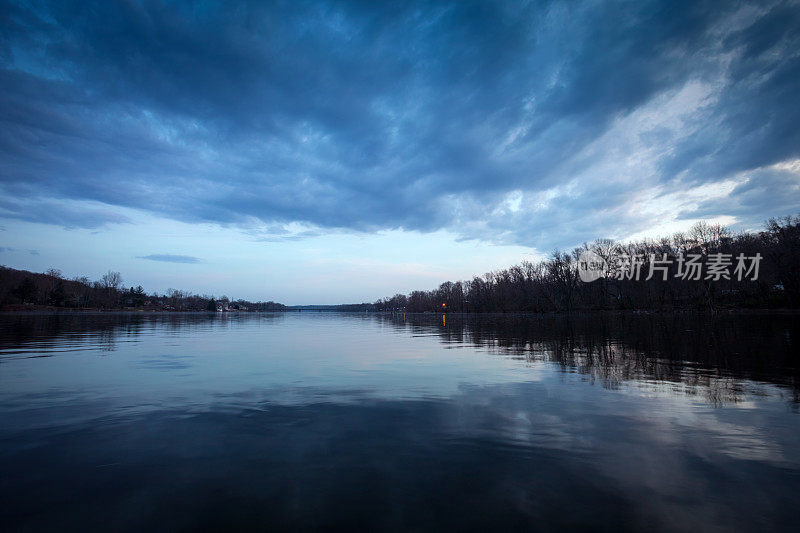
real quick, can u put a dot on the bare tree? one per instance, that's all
(708, 236)
(111, 280)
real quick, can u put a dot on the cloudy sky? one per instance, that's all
(321, 152)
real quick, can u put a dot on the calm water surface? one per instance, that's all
(325, 421)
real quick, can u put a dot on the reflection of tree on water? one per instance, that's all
(32, 334)
(721, 358)
(36, 333)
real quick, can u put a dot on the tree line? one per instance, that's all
(551, 285)
(554, 284)
(20, 289)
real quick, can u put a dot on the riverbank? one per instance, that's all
(42, 309)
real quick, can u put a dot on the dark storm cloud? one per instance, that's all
(169, 258)
(56, 212)
(368, 116)
(773, 192)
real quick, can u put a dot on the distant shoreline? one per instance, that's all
(41, 310)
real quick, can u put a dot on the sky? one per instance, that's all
(330, 152)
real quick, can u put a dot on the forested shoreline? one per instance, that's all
(24, 290)
(554, 285)
(551, 285)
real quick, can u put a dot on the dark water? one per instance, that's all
(364, 422)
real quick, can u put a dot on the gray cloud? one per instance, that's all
(55, 212)
(169, 258)
(365, 116)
